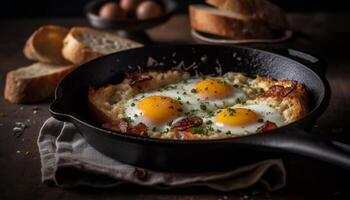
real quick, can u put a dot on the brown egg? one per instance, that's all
(111, 10)
(148, 9)
(129, 6)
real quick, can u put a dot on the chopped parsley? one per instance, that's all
(228, 133)
(231, 111)
(210, 113)
(154, 129)
(238, 101)
(203, 107)
(209, 122)
(198, 130)
(170, 123)
(132, 104)
(260, 120)
(191, 112)
(194, 90)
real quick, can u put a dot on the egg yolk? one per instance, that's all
(213, 89)
(160, 109)
(237, 117)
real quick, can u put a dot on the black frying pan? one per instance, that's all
(171, 155)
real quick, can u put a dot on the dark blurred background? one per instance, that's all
(71, 8)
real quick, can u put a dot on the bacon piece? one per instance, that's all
(268, 126)
(140, 129)
(117, 125)
(187, 123)
(123, 127)
(137, 77)
(278, 90)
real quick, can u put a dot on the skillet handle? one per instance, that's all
(298, 141)
(313, 62)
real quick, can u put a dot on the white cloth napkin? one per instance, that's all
(68, 161)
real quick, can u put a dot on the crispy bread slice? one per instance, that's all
(273, 15)
(227, 24)
(84, 44)
(34, 82)
(45, 45)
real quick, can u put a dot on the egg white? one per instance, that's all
(266, 113)
(191, 102)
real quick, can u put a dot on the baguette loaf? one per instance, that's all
(255, 9)
(84, 44)
(45, 45)
(34, 82)
(227, 24)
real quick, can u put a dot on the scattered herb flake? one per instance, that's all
(209, 122)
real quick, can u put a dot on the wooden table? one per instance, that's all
(326, 35)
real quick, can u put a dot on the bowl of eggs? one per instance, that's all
(129, 15)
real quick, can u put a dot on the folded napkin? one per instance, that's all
(68, 160)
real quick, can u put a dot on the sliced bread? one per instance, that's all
(257, 9)
(227, 24)
(34, 82)
(84, 44)
(45, 45)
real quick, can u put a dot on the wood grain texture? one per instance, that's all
(324, 35)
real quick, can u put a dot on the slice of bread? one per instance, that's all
(84, 44)
(256, 9)
(45, 45)
(34, 82)
(227, 24)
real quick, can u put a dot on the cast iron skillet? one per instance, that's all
(209, 155)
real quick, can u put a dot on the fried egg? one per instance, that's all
(170, 103)
(244, 119)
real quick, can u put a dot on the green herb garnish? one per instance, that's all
(209, 122)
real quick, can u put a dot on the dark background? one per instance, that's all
(69, 8)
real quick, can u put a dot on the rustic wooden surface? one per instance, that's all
(324, 34)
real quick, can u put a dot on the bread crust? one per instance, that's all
(241, 7)
(78, 53)
(273, 15)
(29, 90)
(204, 21)
(75, 51)
(40, 39)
